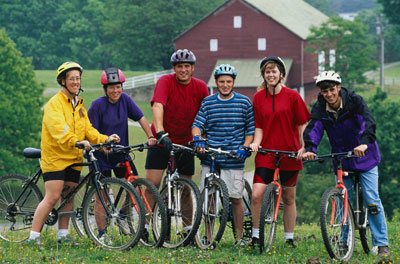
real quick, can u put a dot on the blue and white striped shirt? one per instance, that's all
(226, 124)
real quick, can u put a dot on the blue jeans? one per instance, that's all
(369, 185)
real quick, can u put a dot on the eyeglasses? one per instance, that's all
(77, 79)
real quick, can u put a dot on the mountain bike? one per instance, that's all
(182, 199)
(271, 202)
(20, 195)
(338, 219)
(215, 204)
(154, 222)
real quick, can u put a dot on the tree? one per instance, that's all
(321, 5)
(20, 114)
(353, 49)
(391, 9)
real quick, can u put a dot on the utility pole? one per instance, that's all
(381, 36)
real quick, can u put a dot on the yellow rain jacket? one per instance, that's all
(62, 127)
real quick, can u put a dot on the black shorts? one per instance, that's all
(265, 175)
(119, 172)
(157, 159)
(68, 174)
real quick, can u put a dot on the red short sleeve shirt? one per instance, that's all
(181, 104)
(281, 127)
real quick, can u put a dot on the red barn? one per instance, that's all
(242, 32)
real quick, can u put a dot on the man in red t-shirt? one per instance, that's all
(176, 101)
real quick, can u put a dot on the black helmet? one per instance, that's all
(183, 56)
(275, 59)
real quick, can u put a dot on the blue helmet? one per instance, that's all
(225, 69)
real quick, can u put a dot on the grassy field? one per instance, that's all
(310, 249)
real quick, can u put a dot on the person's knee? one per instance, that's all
(236, 201)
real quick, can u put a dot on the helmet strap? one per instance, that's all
(273, 92)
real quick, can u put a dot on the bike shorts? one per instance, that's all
(265, 175)
(157, 159)
(67, 174)
(119, 172)
(234, 180)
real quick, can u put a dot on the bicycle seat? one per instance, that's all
(32, 153)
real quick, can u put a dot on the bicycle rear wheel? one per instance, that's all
(154, 221)
(183, 218)
(77, 208)
(123, 227)
(247, 222)
(338, 236)
(16, 216)
(214, 214)
(267, 223)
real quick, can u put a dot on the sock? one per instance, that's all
(288, 235)
(255, 232)
(34, 235)
(62, 233)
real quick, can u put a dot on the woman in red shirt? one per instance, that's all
(280, 117)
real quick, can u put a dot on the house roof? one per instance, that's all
(248, 71)
(295, 15)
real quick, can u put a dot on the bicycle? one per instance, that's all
(20, 195)
(154, 222)
(271, 202)
(182, 222)
(337, 217)
(215, 204)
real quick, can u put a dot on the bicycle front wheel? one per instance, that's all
(184, 215)
(215, 210)
(77, 208)
(154, 221)
(16, 216)
(267, 223)
(123, 225)
(338, 236)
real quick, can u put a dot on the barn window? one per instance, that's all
(237, 21)
(262, 44)
(332, 57)
(213, 44)
(321, 61)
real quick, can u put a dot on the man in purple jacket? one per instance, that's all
(349, 124)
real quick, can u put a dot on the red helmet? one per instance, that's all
(112, 76)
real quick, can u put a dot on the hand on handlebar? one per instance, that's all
(151, 141)
(242, 153)
(300, 153)
(165, 141)
(113, 138)
(199, 144)
(83, 144)
(254, 147)
(309, 156)
(360, 150)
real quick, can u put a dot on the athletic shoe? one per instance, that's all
(290, 243)
(383, 251)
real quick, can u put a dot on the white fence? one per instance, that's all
(144, 80)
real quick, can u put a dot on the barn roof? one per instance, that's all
(248, 71)
(295, 15)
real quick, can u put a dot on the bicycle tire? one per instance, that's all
(77, 216)
(176, 235)
(16, 220)
(121, 233)
(247, 221)
(338, 238)
(267, 223)
(153, 221)
(365, 232)
(214, 219)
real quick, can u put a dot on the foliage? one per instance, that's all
(20, 114)
(322, 5)
(100, 33)
(392, 10)
(387, 117)
(352, 47)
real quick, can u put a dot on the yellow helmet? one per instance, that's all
(65, 67)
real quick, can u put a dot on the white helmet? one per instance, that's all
(328, 76)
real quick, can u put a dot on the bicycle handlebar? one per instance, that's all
(262, 151)
(346, 155)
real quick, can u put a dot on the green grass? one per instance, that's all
(308, 237)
